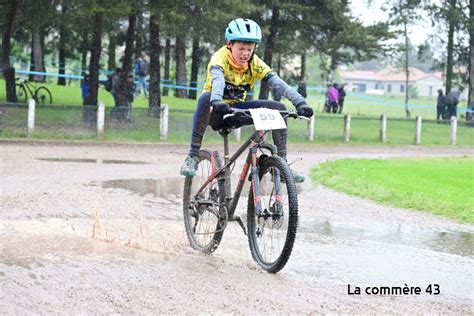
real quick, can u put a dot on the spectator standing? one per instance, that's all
(84, 87)
(333, 98)
(440, 105)
(141, 70)
(114, 84)
(342, 95)
(452, 100)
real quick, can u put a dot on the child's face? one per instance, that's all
(242, 51)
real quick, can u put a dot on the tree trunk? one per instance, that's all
(180, 50)
(196, 60)
(8, 70)
(155, 98)
(167, 66)
(278, 70)
(269, 46)
(112, 46)
(471, 62)
(303, 67)
(407, 72)
(62, 47)
(139, 35)
(450, 48)
(84, 60)
(90, 103)
(125, 93)
(37, 46)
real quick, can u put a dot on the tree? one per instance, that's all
(154, 96)
(8, 70)
(269, 45)
(90, 102)
(126, 85)
(166, 72)
(403, 14)
(180, 57)
(452, 19)
(471, 61)
(63, 38)
(195, 61)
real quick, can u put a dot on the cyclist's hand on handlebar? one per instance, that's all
(304, 110)
(221, 107)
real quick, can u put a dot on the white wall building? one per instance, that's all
(391, 81)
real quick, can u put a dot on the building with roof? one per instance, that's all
(391, 81)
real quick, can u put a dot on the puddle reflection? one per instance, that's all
(459, 243)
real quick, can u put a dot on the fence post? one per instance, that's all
(383, 128)
(347, 127)
(236, 133)
(418, 130)
(454, 129)
(31, 117)
(100, 120)
(311, 128)
(164, 122)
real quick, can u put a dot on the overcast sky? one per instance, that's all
(418, 33)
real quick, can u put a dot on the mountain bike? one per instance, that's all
(41, 94)
(272, 208)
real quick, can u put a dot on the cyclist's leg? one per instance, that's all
(200, 122)
(201, 118)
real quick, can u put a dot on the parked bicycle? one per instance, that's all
(41, 94)
(272, 208)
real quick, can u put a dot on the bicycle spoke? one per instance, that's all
(203, 222)
(272, 233)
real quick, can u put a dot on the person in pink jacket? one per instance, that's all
(333, 98)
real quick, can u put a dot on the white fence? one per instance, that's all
(310, 134)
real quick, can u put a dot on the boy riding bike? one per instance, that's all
(232, 71)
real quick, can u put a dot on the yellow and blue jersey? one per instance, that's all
(236, 83)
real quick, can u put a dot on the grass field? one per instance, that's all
(63, 120)
(440, 186)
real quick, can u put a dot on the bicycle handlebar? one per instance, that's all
(246, 113)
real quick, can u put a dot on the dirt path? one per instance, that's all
(87, 228)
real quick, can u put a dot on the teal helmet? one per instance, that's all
(243, 30)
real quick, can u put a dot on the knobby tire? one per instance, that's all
(206, 242)
(257, 235)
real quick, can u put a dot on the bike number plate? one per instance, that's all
(266, 119)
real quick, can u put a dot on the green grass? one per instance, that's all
(442, 186)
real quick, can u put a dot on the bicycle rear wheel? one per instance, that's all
(43, 96)
(21, 95)
(271, 235)
(204, 217)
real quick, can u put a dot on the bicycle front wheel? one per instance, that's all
(21, 95)
(43, 96)
(272, 233)
(204, 217)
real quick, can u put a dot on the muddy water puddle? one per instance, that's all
(97, 161)
(457, 243)
(163, 187)
(367, 253)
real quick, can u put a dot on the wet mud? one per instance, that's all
(89, 233)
